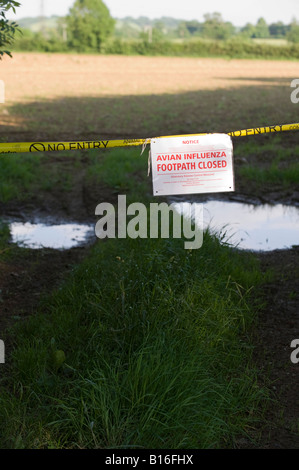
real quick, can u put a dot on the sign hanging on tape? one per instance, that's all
(22, 147)
(192, 164)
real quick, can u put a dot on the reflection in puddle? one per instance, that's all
(63, 236)
(253, 227)
(247, 226)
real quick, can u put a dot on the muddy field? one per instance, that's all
(33, 76)
(72, 97)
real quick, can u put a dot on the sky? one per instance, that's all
(236, 11)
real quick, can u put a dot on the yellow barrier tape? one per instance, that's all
(22, 147)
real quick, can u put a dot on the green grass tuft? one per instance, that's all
(156, 350)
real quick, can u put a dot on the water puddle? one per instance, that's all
(251, 227)
(59, 237)
(247, 226)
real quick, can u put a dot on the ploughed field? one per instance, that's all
(60, 96)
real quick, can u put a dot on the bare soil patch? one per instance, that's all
(278, 325)
(67, 96)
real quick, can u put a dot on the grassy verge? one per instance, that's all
(232, 48)
(24, 175)
(122, 169)
(145, 345)
(274, 174)
(272, 163)
(17, 176)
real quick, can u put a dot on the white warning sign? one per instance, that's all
(192, 164)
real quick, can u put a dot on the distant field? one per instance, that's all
(59, 96)
(54, 97)
(271, 41)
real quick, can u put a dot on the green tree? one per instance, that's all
(89, 24)
(293, 33)
(7, 28)
(261, 29)
(215, 28)
(248, 31)
(278, 30)
(194, 27)
(159, 31)
(182, 31)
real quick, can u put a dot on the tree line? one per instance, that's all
(214, 27)
(89, 27)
